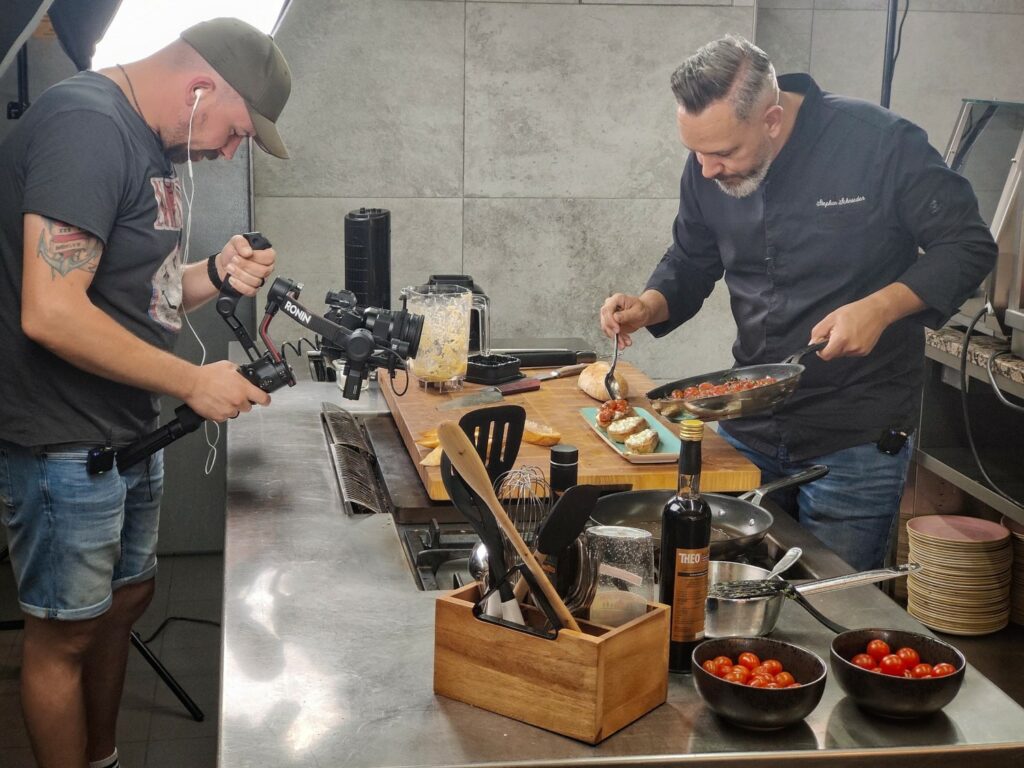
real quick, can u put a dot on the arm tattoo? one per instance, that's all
(65, 248)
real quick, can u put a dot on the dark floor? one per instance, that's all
(155, 730)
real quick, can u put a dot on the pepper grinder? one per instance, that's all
(565, 461)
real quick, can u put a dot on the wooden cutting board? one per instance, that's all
(557, 404)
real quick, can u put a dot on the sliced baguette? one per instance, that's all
(591, 381)
(644, 441)
(620, 429)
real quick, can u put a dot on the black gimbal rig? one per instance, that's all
(364, 339)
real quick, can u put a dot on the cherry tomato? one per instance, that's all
(876, 669)
(891, 665)
(735, 677)
(761, 669)
(793, 685)
(758, 682)
(864, 660)
(723, 664)
(784, 679)
(908, 674)
(877, 649)
(710, 667)
(742, 671)
(922, 670)
(943, 669)
(774, 666)
(911, 658)
(772, 684)
(749, 660)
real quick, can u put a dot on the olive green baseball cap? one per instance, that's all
(252, 64)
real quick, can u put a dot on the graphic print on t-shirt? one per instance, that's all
(165, 304)
(167, 191)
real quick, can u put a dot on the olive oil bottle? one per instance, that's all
(685, 545)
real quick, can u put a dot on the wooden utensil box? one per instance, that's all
(586, 685)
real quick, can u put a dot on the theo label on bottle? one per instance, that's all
(691, 588)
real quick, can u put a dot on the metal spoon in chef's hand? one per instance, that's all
(609, 378)
(792, 555)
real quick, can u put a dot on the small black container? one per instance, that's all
(564, 467)
(492, 369)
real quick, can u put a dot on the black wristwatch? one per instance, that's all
(211, 270)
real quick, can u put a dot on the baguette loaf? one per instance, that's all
(591, 381)
(644, 441)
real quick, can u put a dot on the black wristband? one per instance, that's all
(211, 271)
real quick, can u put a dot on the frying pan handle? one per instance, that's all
(856, 579)
(803, 476)
(795, 357)
(806, 605)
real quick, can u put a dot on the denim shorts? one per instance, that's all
(74, 537)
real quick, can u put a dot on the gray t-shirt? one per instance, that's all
(82, 155)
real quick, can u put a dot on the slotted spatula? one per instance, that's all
(467, 463)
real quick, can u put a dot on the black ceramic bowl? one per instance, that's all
(760, 708)
(891, 696)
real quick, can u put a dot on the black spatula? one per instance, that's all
(562, 525)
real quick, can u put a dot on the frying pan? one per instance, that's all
(732, 405)
(737, 522)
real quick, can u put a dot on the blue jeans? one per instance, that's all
(853, 509)
(74, 537)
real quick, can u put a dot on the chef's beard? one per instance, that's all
(178, 154)
(746, 185)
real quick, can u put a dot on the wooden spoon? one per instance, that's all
(467, 463)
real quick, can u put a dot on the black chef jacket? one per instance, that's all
(855, 191)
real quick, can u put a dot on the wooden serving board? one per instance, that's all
(557, 404)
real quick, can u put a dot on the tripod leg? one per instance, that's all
(161, 670)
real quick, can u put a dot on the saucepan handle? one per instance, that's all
(803, 476)
(856, 579)
(795, 357)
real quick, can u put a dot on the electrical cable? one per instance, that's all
(298, 349)
(169, 619)
(995, 387)
(899, 34)
(963, 402)
(189, 195)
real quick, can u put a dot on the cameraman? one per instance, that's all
(92, 295)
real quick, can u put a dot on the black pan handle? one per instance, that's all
(792, 593)
(795, 357)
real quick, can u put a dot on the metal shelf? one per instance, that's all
(974, 371)
(942, 461)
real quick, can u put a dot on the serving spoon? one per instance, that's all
(792, 555)
(609, 378)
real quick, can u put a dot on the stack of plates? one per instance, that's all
(1017, 582)
(964, 585)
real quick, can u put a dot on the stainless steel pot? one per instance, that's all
(757, 616)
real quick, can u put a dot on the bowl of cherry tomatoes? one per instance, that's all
(758, 682)
(894, 673)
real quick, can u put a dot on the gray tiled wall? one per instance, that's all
(951, 49)
(531, 145)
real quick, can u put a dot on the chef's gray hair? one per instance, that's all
(730, 67)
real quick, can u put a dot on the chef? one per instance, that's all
(814, 207)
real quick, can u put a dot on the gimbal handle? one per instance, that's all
(262, 373)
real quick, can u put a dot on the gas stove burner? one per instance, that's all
(439, 553)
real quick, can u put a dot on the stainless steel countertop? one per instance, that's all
(327, 655)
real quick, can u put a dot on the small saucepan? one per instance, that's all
(757, 616)
(732, 405)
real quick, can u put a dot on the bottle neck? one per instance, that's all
(689, 469)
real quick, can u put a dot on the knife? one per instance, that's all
(497, 393)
